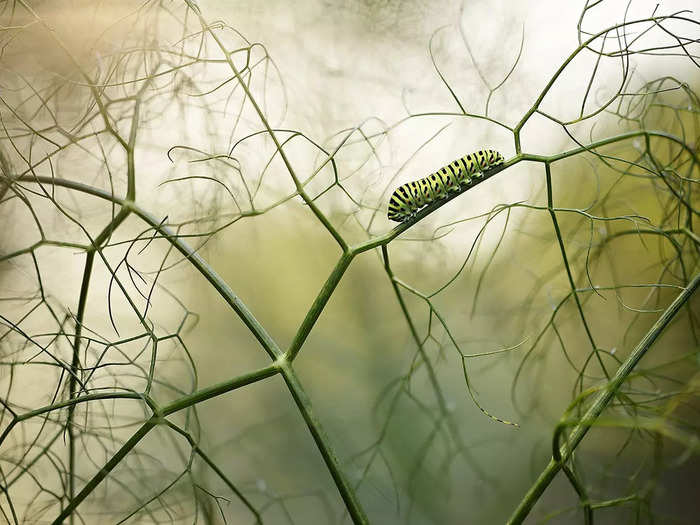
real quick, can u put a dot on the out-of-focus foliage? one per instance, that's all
(205, 314)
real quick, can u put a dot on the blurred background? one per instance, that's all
(396, 89)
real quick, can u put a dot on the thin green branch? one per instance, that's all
(190, 254)
(323, 442)
(572, 284)
(601, 401)
(319, 303)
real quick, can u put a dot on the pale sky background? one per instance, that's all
(344, 60)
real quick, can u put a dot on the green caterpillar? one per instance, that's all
(411, 197)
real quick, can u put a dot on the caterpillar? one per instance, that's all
(412, 196)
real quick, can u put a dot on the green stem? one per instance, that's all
(572, 284)
(319, 303)
(109, 466)
(192, 256)
(322, 441)
(154, 420)
(219, 389)
(75, 360)
(599, 404)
